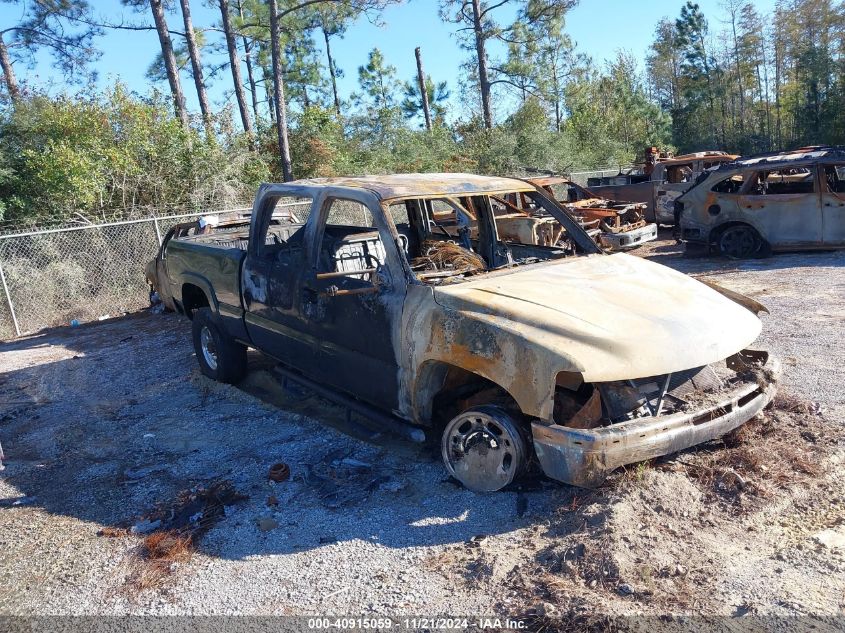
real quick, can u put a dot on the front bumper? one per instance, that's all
(584, 457)
(629, 239)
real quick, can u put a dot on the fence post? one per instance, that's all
(158, 232)
(9, 301)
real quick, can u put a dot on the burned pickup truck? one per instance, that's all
(514, 355)
(659, 181)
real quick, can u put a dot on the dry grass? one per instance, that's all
(168, 546)
(775, 449)
(785, 401)
(155, 558)
(448, 256)
(184, 521)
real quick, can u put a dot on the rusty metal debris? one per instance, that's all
(447, 256)
(279, 472)
(618, 225)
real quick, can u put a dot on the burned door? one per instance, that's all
(784, 205)
(351, 300)
(833, 204)
(270, 280)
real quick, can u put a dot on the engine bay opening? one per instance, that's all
(585, 406)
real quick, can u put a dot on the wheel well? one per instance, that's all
(193, 298)
(716, 232)
(460, 389)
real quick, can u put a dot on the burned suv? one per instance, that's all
(786, 201)
(511, 353)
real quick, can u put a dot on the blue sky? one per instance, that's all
(599, 27)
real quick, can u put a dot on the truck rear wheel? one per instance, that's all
(484, 448)
(219, 357)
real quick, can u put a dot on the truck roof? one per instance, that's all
(397, 186)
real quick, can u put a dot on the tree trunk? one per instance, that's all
(481, 53)
(268, 91)
(713, 137)
(250, 77)
(766, 93)
(8, 72)
(332, 72)
(249, 72)
(423, 91)
(235, 63)
(193, 51)
(778, 128)
(279, 96)
(556, 89)
(169, 61)
(739, 86)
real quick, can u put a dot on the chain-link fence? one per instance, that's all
(54, 276)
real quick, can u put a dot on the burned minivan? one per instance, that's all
(785, 201)
(511, 354)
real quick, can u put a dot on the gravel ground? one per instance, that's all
(103, 422)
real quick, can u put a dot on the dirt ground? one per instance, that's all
(110, 427)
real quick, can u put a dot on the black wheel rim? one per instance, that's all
(738, 242)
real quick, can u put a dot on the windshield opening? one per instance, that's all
(448, 239)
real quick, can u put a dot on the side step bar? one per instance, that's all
(388, 422)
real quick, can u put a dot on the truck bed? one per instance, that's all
(217, 257)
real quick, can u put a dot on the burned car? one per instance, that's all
(511, 354)
(785, 201)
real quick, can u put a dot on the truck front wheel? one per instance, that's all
(484, 448)
(219, 357)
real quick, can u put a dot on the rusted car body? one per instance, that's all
(661, 184)
(622, 225)
(502, 348)
(785, 201)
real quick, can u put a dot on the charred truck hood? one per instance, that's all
(615, 317)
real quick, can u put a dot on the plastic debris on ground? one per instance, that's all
(340, 480)
(193, 512)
